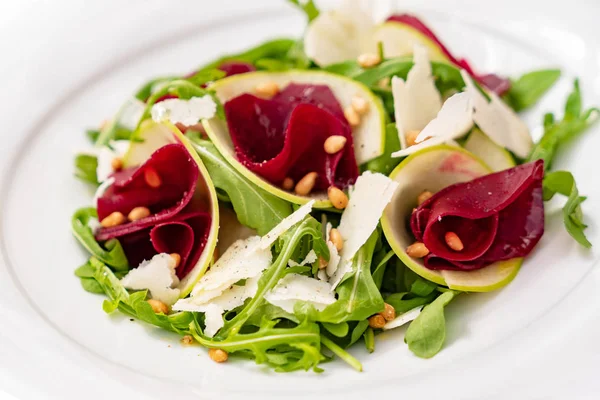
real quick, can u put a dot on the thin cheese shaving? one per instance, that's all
(294, 288)
(158, 276)
(187, 112)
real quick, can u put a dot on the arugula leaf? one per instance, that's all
(91, 285)
(358, 331)
(358, 296)
(275, 49)
(529, 88)
(370, 340)
(308, 6)
(253, 206)
(379, 271)
(402, 305)
(113, 253)
(563, 182)
(85, 168)
(339, 330)
(574, 122)
(425, 335)
(385, 163)
(285, 349)
(341, 353)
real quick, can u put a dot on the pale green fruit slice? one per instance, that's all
(399, 40)
(496, 157)
(369, 136)
(150, 137)
(433, 169)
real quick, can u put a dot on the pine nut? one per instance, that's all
(337, 197)
(411, 138)
(360, 105)
(306, 184)
(424, 196)
(417, 250)
(114, 219)
(158, 306)
(152, 178)
(389, 313)
(335, 237)
(116, 164)
(352, 116)
(218, 355)
(187, 340)
(384, 83)
(322, 263)
(368, 60)
(288, 183)
(376, 321)
(334, 143)
(267, 89)
(176, 258)
(453, 241)
(138, 213)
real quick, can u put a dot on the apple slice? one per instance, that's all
(399, 40)
(496, 157)
(433, 169)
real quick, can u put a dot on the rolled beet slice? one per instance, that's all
(498, 217)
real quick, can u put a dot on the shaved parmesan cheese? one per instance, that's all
(158, 276)
(340, 35)
(416, 101)
(453, 121)
(498, 121)
(213, 319)
(187, 112)
(105, 155)
(243, 260)
(293, 288)
(369, 197)
(403, 318)
(322, 275)
(130, 114)
(310, 258)
(267, 241)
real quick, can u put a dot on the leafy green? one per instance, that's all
(563, 182)
(403, 302)
(378, 272)
(370, 340)
(85, 168)
(422, 287)
(574, 122)
(385, 163)
(285, 349)
(253, 206)
(358, 331)
(426, 334)
(112, 253)
(308, 6)
(91, 285)
(339, 330)
(529, 88)
(341, 353)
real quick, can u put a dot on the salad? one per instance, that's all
(299, 198)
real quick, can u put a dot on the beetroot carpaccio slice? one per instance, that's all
(284, 136)
(493, 82)
(497, 217)
(177, 223)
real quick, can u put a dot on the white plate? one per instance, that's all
(68, 65)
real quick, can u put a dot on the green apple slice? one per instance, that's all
(399, 40)
(496, 157)
(433, 169)
(150, 137)
(369, 136)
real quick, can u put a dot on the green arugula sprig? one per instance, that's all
(308, 7)
(529, 88)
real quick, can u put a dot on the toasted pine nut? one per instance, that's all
(138, 213)
(334, 143)
(411, 137)
(424, 196)
(116, 164)
(453, 241)
(152, 178)
(322, 263)
(158, 306)
(176, 258)
(288, 183)
(389, 313)
(352, 116)
(187, 340)
(376, 321)
(267, 89)
(218, 355)
(114, 219)
(337, 197)
(360, 105)
(384, 83)
(335, 237)
(368, 60)
(306, 184)
(417, 250)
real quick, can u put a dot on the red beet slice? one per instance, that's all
(493, 82)
(236, 67)
(497, 217)
(284, 136)
(177, 224)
